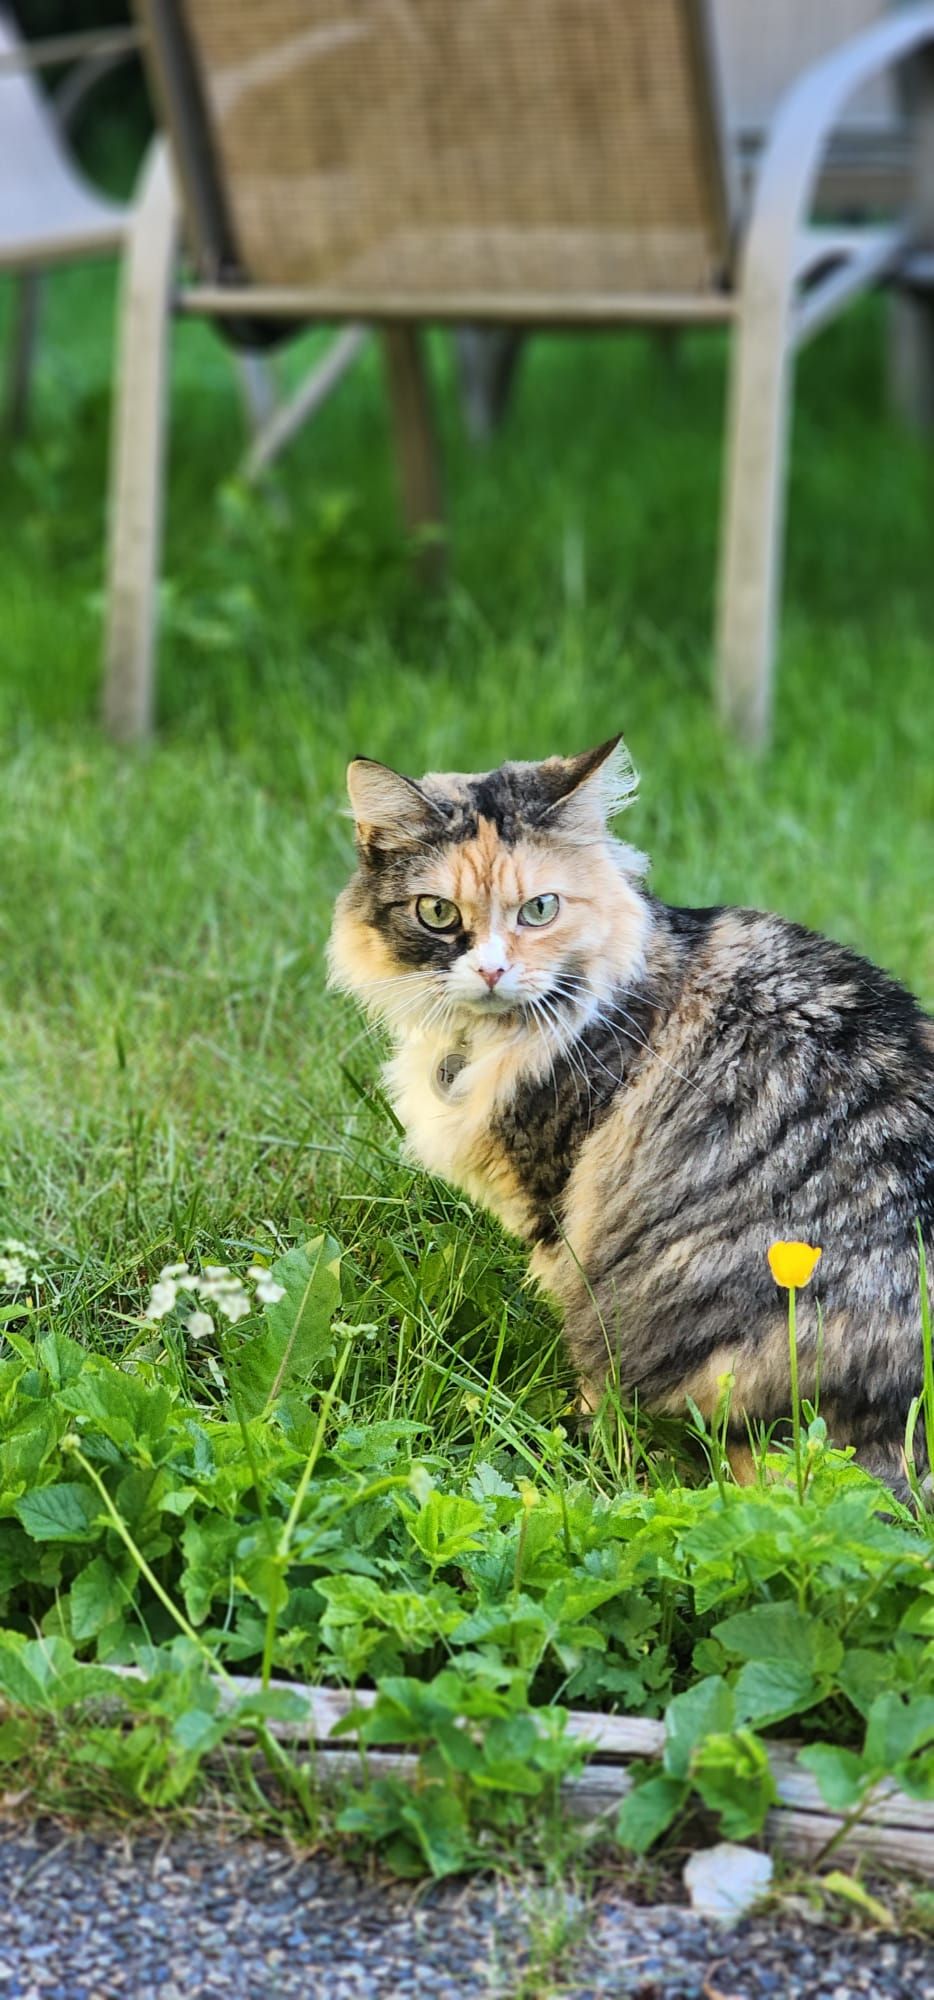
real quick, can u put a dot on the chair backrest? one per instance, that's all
(429, 151)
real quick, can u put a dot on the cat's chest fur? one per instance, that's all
(507, 1118)
(452, 1100)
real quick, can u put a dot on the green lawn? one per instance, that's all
(174, 1081)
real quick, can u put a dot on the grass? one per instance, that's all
(174, 1079)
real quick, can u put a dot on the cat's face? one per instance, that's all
(480, 897)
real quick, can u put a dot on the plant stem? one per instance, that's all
(927, 1346)
(142, 1565)
(281, 1556)
(795, 1400)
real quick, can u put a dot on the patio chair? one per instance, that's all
(535, 163)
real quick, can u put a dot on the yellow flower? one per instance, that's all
(793, 1264)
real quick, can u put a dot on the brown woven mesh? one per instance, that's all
(429, 148)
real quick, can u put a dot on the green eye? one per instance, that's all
(437, 914)
(538, 911)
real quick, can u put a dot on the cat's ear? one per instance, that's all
(390, 811)
(593, 786)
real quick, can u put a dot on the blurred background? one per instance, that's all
(497, 534)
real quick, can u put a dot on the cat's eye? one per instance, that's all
(437, 914)
(538, 911)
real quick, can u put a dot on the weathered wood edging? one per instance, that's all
(891, 1827)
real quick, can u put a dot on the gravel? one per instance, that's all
(189, 1916)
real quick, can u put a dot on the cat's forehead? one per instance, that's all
(483, 866)
(511, 801)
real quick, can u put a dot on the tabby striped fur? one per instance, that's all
(651, 1096)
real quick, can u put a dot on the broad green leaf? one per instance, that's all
(445, 1527)
(126, 1408)
(301, 1321)
(865, 1674)
(648, 1811)
(732, 1774)
(98, 1596)
(208, 1547)
(486, 1483)
(63, 1680)
(297, 1337)
(703, 1710)
(17, 1682)
(897, 1728)
(841, 1775)
(781, 1632)
(768, 1690)
(67, 1512)
(438, 1820)
(24, 1451)
(198, 1730)
(576, 1597)
(17, 1736)
(62, 1358)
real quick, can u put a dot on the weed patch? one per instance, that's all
(197, 1523)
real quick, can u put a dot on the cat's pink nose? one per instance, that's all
(491, 977)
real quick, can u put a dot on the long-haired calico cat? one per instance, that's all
(649, 1096)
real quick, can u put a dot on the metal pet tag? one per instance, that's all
(448, 1071)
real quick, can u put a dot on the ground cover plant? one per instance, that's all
(372, 1475)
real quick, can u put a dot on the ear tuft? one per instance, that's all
(389, 809)
(596, 785)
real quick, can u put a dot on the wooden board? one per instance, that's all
(892, 1827)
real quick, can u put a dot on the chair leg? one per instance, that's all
(416, 444)
(258, 392)
(911, 331)
(21, 353)
(487, 359)
(911, 358)
(753, 516)
(287, 418)
(137, 453)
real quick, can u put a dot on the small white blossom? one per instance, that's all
(161, 1299)
(234, 1305)
(268, 1291)
(17, 1265)
(217, 1285)
(226, 1292)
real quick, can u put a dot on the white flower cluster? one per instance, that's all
(17, 1265)
(216, 1286)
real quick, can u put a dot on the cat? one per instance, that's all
(650, 1096)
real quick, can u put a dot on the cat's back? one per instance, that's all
(785, 1086)
(785, 1090)
(752, 985)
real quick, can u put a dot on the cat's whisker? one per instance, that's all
(611, 1023)
(543, 1031)
(577, 1067)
